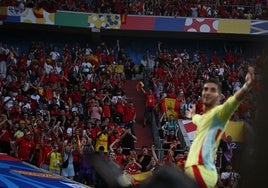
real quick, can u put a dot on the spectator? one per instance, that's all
(45, 149)
(215, 58)
(154, 163)
(55, 158)
(171, 141)
(229, 56)
(229, 178)
(18, 133)
(3, 60)
(5, 137)
(227, 151)
(95, 112)
(119, 107)
(236, 85)
(188, 103)
(54, 55)
(162, 121)
(150, 101)
(106, 107)
(144, 158)
(155, 8)
(114, 132)
(102, 140)
(133, 166)
(194, 11)
(127, 140)
(129, 116)
(93, 129)
(180, 161)
(86, 174)
(86, 67)
(68, 172)
(258, 8)
(76, 97)
(168, 159)
(202, 11)
(120, 157)
(24, 147)
(170, 125)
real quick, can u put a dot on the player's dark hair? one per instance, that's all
(215, 81)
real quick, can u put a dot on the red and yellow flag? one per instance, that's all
(139, 85)
(92, 58)
(138, 178)
(171, 106)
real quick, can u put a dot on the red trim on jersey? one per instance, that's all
(200, 158)
(199, 177)
(218, 134)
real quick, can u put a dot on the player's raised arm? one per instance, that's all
(249, 80)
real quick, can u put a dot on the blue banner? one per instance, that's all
(17, 174)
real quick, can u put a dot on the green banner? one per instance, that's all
(72, 19)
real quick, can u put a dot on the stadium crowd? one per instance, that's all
(236, 9)
(63, 104)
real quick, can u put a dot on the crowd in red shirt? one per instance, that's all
(37, 110)
(236, 9)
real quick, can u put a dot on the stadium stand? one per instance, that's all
(74, 93)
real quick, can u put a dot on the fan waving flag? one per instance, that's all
(139, 85)
(171, 106)
(92, 58)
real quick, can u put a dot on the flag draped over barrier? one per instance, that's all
(236, 129)
(139, 177)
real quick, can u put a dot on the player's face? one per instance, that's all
(210, 94)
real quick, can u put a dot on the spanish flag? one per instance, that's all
(93, 59)
(171, 106)
(140, 177)
(237, 130)
(38, 12)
